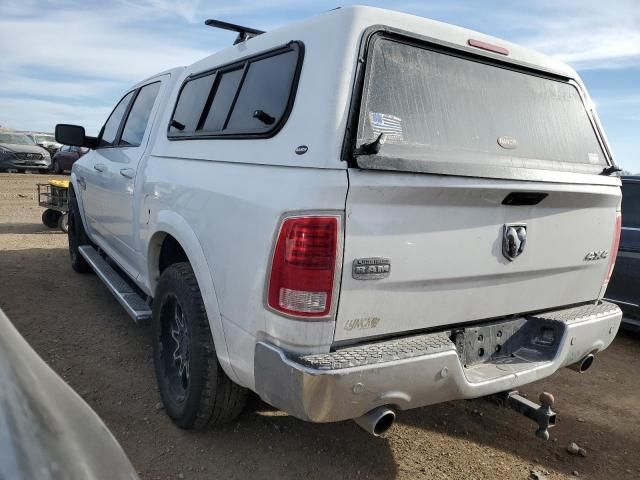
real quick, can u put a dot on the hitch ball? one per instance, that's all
(542, 414)
(546, 399)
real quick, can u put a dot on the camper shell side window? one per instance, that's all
(250, 98)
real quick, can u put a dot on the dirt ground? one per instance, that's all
(75, 325)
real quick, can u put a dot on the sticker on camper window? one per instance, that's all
(390, 125)
(594, 158)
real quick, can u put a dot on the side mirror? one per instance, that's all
(74, 135)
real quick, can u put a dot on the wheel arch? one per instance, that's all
(74, 191)
(171, 227)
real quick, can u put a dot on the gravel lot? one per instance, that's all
(75, 325)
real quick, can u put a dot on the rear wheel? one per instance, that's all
(77, 236)
(194, 389)
(56, 167)
(51, 217)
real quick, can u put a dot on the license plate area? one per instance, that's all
(508, 341)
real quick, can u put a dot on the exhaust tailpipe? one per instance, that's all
(377, 421)
(584, 364)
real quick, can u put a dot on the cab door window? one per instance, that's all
(138, 118)
(111, 128)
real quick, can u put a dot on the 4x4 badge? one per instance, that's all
(514, 239)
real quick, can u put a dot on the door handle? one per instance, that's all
(99, 167)
(128, 172)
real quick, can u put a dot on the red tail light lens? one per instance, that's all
(304, 265)
(614, 247)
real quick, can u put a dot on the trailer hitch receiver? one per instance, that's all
(541, 414)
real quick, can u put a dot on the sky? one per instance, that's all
(69, 61)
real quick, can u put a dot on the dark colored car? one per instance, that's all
(65, 157)
(19, 153)
(624, 287)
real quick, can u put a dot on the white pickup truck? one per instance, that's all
(355, 214)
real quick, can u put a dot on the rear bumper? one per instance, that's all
(419, 370)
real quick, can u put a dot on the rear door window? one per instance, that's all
(435, 106)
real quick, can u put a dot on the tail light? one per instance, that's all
(614, 247)
(304, 266)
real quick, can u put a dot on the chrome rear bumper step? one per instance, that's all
(126, 295)
(378, 352)
(425, 369)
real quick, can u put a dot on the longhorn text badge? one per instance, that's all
(371, 268)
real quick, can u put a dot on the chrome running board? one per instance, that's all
(132, 301)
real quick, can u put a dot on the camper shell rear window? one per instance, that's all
(443, 111)
(250, 98)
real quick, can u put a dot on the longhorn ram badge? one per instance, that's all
(514, 240)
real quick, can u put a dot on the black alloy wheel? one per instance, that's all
(174, 348)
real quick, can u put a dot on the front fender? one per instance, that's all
(168, 222)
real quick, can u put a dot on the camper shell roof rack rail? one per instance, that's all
(244, 33)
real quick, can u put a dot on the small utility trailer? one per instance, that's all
(54, 197)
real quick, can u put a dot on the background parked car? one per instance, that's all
(65, 157)
(624, 287)
(19, 152)
(46, 141)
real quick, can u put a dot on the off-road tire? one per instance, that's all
(77, 236)
(50, 218)
(210, 396)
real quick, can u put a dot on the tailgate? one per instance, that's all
(482, 192)
(443, 238)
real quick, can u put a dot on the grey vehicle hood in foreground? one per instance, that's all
(46, 430)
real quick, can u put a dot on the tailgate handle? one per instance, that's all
(524, 198)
